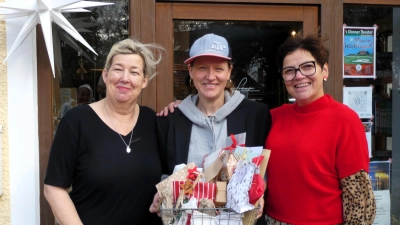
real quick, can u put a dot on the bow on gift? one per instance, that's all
(187, 187)
(192, 174)
(234, 144)
(257, 160)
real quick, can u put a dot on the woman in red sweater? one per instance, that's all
(318, 170)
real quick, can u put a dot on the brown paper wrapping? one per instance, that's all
(230, 162)
(167, 214)
(212, 171)
(165, 189)
(220, 198)
(248, 216)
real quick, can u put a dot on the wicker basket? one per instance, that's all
(210, 216)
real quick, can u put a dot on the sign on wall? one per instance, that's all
(359, 99)
(359, 52)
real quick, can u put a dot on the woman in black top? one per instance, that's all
(108, 150)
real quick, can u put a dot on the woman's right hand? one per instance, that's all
(170, 108)
(155, 206)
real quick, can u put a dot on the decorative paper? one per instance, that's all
(247, 153)
(200, 191)
(239, 186)
(179, 175)
(229, 165)
(249, 215)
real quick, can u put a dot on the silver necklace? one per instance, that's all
(128, 148)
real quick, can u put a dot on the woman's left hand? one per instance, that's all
(261, 204)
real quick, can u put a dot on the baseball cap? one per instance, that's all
(210, 45)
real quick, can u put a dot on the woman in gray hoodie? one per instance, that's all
(200, 124)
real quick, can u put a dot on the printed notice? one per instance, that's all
(359, 99)
(359, 52)
(382, 208)
(379, 173)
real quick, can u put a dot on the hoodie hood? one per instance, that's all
(189, 109)
(208, 133)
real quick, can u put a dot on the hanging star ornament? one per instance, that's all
(45, 12)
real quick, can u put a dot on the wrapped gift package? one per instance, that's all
(200, 191)
(220, 199)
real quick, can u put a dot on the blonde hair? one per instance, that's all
(133, 46)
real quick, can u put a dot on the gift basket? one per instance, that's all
(225, 191)
(196, 216)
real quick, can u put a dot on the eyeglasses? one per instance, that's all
(306, 68)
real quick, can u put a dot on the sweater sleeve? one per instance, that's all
(351, 145)
(63, 155)
(359, 206)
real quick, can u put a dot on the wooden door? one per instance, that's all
(168, 13)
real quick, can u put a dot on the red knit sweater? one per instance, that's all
(312, 148)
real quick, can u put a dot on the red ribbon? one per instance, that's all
(234, 144)
(191, 174)
(188, 219)
(257, 160)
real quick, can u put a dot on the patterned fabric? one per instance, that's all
(359, 207)
(239, 186)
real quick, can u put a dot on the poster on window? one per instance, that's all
(379, 174)
(359, 52)
(359, 99)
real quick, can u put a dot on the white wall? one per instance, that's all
(23, 127)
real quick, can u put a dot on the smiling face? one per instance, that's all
(305, 89)
(125, 78)
(210, 75)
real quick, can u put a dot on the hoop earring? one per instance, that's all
(229, 84)
(191, 83)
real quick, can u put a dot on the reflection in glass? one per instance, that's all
(75, 64)
(254, 46)
(386, 95)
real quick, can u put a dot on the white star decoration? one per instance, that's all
(45, 12)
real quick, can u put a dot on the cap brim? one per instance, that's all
(189, 60)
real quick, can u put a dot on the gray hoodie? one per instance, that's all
(209, 133)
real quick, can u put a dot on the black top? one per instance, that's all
(251, 117)
(109, 185)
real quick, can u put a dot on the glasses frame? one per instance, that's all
(298, 69)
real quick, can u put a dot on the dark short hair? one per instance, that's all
(313, 43)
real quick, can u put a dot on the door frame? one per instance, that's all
(167, 12)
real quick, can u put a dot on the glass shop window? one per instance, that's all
(385, 98)
(75, 64)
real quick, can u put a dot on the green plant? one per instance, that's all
(395, 221)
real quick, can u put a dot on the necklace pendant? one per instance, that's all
(128, 149)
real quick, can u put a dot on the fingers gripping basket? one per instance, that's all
(207, 216)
